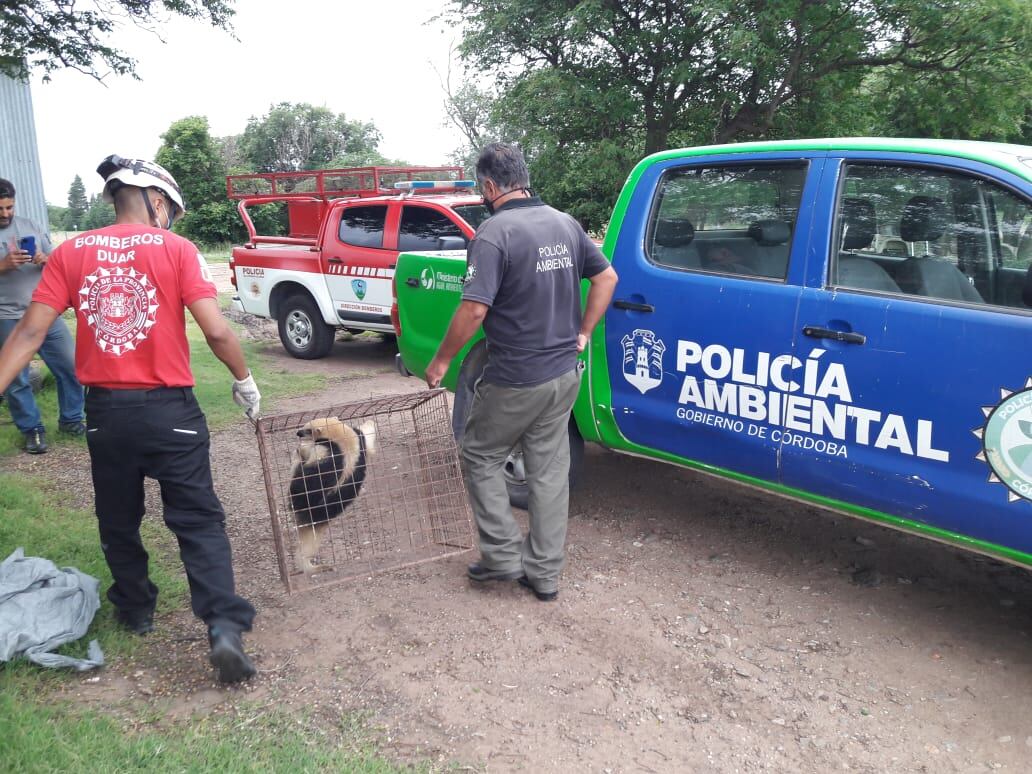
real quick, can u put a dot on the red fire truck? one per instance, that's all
(335, 266)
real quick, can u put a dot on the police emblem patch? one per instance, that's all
(1007, 442)
(643, 359)
(120, 307)
(359, 288)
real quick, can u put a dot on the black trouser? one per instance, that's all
(160, 434)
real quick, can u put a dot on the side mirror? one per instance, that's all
(451, 243)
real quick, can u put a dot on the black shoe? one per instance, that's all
(36, 441)
(228, 657)
(73, 428)
(480, 574)
(136, 622)
(544, 596)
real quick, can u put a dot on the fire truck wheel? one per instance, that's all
(302, 330)
(515, 475)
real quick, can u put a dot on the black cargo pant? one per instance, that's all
(160, 434)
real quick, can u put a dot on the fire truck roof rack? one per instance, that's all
(329, 184)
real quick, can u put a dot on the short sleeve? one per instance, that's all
(53, 288)
(194, 275)
(594, 261)
(484, 268)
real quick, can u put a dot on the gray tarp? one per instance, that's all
(42, 607)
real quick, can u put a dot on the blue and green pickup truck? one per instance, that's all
(844, 322)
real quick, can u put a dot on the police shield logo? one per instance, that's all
(643, 359)
(359, 286)
(1007, 442)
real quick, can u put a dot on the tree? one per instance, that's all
(630, 78)
(57, 217)
(77, 205)
(99, 214)
(52, 34)
(194, 158)
(291, 138)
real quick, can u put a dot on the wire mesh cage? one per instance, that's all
(363, 487)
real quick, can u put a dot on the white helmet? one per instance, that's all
(118, 171)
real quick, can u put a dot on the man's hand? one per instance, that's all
(40, 258)
(14, 259)
(246, 395)
(435, 372)
(582, 342)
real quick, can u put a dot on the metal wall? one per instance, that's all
(19, 156)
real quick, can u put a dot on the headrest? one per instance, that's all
(858, 223)
(674, 232)
(924, 219)
(770, 232)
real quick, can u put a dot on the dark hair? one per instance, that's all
(6, 189)
(504, 164)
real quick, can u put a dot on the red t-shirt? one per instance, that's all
(129, 285)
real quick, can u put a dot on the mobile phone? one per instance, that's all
(28, 244)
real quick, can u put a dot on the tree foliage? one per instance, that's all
(194, 159)
(592, 85)
(99, 213)
(48, 35)
(294, 137)
(77, 205)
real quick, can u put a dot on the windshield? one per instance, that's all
(474, 214)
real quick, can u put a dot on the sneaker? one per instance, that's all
(73, 428)
(228, 657)
(36, 441)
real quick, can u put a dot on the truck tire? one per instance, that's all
(302, 330)
(515, 477)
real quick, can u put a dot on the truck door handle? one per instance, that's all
(827, 333)
(633, 306)
(334, 260)
(412, 282)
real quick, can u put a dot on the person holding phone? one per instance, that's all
(26, 249)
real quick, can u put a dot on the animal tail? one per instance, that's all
(368, 431)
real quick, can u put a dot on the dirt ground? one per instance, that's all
(699, 627)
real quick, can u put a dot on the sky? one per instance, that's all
(371, 61)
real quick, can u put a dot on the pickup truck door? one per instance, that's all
(710, 257)
(358, 261)
(919, 405)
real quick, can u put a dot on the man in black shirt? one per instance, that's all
(525, 266)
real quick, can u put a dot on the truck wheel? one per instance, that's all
(515, 476)
(302, 330)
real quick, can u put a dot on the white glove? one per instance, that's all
(246, 395)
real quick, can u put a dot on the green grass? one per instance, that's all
(57, 738)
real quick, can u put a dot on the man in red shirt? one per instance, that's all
(129, 285)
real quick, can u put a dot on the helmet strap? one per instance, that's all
(153, 215)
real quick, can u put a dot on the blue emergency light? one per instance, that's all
(424, 185)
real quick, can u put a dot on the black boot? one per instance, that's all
(228, 657)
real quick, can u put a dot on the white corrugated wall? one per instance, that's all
(19, 155)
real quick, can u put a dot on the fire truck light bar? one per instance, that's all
(423, 185)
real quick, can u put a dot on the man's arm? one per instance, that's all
(599, 295)
(223, 342)
(25, 341)
(467, 319)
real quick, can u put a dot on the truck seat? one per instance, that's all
(925, 219)
(772, 237)
(672, 243)
(864, 274)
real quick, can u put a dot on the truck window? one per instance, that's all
(363, 226)
(734, 219)
(932, 234)
(474, 214)
(422, 227)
